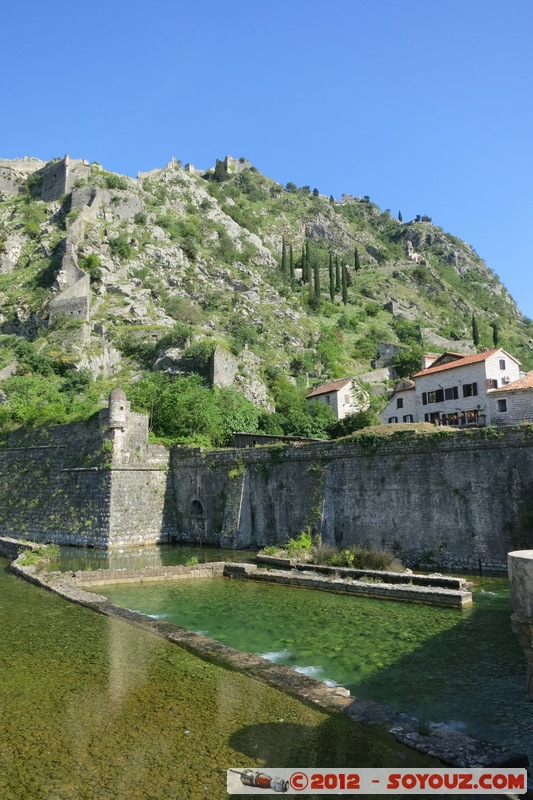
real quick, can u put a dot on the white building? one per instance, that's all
(512, 404)
(455, 389)
(343, 396)
(401, 406)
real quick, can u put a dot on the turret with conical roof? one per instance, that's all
(119, 409)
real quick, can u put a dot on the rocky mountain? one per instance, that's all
(117, 275)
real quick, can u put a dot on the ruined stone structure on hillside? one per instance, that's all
(461, 500)
(50, 181)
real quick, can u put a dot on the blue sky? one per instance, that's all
(425, 105)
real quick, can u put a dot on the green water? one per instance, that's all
(460, 667)
(81, 558)
(94, 709)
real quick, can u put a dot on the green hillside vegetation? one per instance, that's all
(298, 287)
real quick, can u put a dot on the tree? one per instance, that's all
(495, 333)
(283, 258)
(475, 331)
(291, 266)
(356, 261)
(408, 361)
(337, 275)
(344, 285)
(291, 187)
(331, 278)
(400, 218)
(316, 279)
(221, 173)
(304, 265)
(315, 192)
(349, 279)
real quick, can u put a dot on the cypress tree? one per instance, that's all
(338, 282)
(400, 218)
(316, 281)
(475, 331)
(304, 266)
(356, 262)
(349, 279)
(291, 266)
(495, 334)
(283, 257)
(331, 278)
(308, 259)
(344, 285)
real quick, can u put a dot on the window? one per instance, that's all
(393, 419)
(469, 389)
(408, 418)
(399, 402)
(502, 363)
(491, 383)
(328, 399)
(452, 393)
(502, 406)
(436, 397)
(347, 399)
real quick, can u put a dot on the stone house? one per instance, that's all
(513, 403)
(401, 406)
(343, 396)
(455, 389)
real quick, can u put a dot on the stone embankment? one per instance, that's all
(436, 579)
(521, 583)
(366, 583)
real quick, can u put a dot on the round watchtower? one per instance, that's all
(118, 409)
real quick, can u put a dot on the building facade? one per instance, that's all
(401, 406)
(512, 404)
(344, 397)
(455, 389)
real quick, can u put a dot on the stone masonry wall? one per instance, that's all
(51, 487)
(61, 485)
(459, 500)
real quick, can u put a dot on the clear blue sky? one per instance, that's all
(425, 105)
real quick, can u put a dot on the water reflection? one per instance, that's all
(94, 708)
(86, 558)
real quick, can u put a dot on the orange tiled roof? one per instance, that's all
(335, 386)
(525, 382)
(458, 362)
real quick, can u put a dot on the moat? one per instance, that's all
(123, 704)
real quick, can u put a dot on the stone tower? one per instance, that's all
(118, 409)
(118, 413)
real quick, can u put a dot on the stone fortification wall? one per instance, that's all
(14, 174)
(521, 581)
(142, 509)
(457, 501)
(68, 484)
(59, 177)
(51, 488)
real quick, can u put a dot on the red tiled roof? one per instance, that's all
(335, 386)
(459, 362)
(525, 382)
